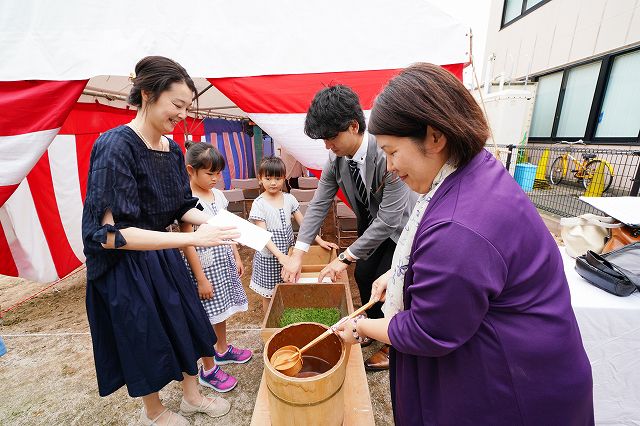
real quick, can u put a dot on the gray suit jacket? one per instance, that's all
(390, 204)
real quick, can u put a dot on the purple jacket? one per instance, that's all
(488, 335)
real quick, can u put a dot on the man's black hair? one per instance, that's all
(332, 111)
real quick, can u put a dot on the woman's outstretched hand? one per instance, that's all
(209, 235)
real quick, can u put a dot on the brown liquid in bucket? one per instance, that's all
(313, 366)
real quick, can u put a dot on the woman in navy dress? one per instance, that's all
(147, 324)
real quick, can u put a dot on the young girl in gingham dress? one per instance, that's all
(215, 271)
(272, 210)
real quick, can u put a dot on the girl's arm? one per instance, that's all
(297, 215)
(144, 239)
(239, 264)
(205, 287)
(270, 245)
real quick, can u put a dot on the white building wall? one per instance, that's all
(559, 33)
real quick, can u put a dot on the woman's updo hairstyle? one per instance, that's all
(155, 74)
(428, 95)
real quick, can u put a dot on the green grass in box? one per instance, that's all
(326, 316)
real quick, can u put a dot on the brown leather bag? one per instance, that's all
(621, 237)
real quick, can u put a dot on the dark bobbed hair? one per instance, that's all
(272, 167)
(428, 95)
(202, 155)
(155, 74)
(332, 111)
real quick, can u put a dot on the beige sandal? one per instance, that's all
(175, 419)
(215, 407)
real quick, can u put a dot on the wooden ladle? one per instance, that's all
(288, 359)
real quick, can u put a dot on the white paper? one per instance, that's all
(624, 209)
(250, 235)
(312, 280)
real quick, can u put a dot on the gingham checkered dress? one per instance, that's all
(220, 268)
(266, 268)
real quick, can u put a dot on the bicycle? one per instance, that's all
(584, 170)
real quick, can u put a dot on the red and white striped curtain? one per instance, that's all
(46, 141)
(46, 149)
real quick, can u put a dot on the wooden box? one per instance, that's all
(317, 258)
(305, 296)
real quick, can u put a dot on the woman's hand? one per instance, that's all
(209, 235)
(344, 330)
(379, 287)
(205, 289)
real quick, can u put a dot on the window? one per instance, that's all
(597, 101)
(578, 97)
(546, 101)
(531, 3)
(619, 115)
(514, 9)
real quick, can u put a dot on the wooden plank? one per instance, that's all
(357, 401)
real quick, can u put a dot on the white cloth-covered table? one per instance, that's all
(610, 328)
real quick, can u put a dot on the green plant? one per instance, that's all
(522, 152)
(326, 316)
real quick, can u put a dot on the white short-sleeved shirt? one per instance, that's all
(264, 211)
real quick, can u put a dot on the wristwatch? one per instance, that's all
(343, 258)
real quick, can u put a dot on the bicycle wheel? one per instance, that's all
(556, 174)
(590, 173)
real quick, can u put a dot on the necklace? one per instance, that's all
(146, 142)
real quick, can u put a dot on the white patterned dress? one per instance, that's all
(266, 268)
(219, 266)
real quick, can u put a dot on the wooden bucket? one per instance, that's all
(317, 400)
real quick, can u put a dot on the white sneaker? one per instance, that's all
(213, 407)
(174, 419)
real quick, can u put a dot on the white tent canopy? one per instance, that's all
(79, 39)
(113, 90)
(265, 60)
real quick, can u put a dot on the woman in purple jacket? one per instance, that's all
(477, 306)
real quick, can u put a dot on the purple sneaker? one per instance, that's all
(233, 356)
(217, 380)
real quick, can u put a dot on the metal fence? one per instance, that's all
(555, 176)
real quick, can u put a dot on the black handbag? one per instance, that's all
(616, 272)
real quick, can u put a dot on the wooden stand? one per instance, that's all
(357, 402)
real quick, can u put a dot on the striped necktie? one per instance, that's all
(360, 187)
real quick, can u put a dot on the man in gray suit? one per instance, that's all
(381, 201)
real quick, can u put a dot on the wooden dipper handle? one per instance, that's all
(329, 331)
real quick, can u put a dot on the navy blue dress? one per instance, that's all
(147, 323)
